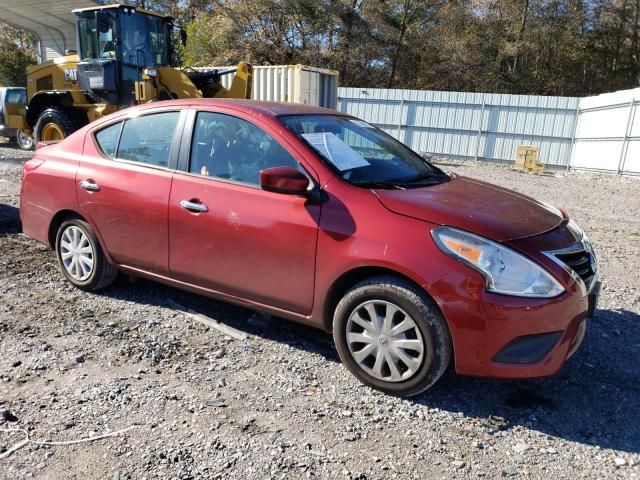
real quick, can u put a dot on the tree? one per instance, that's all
(17, 52)
(548, 47)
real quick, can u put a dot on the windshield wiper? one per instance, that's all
(379, 184)
(422, 178)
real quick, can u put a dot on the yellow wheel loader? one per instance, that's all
(124, 58)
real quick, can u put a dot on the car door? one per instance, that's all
(123, 184)
(229, 235)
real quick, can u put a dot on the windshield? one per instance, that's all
(362, 154)
(96, 35)
(87, 37)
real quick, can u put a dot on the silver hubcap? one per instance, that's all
(76, 253)
(25, 141)
(385, 341)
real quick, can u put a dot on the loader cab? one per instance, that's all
(115, 44)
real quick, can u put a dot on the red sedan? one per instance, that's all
(321, 218)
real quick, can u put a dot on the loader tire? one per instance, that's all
(57, 123)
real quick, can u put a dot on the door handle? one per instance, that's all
(193, 206)
(90, 185)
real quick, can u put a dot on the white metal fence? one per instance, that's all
(582, 133)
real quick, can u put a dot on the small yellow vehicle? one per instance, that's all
(125, 57)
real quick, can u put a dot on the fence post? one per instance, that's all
(398, 130)
(627, 134)
(573, 138)
(479, 135)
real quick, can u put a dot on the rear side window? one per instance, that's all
(107, 139)
(148, 139)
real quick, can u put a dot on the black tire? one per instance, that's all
(103, 273)
(67, 119)
(425, 314)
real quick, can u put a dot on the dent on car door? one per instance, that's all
(124, 182)
(229, 235)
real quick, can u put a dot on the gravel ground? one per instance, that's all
(279, 404)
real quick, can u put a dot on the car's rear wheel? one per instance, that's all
(81, 258)
(392, 336)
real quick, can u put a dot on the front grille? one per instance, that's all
(579, 261)
(91, 76)
(98, 75)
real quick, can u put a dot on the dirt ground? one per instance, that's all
(279, 404)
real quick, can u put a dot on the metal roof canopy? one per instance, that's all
(51, 21)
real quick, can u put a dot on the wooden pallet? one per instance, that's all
(527, 159)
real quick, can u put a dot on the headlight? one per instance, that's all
(575, 229)
(151, 72)
(504, 270)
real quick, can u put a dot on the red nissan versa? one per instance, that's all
(321, 218)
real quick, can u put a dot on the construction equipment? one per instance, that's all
(125, 57)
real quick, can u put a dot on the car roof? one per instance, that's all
(272, 109)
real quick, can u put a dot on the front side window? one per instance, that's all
(362, 154)
(148, 139)
(232, 148)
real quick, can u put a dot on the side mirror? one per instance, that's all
(183, 37)
(286, 180)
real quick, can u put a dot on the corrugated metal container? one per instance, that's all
(291, 83)
(463, 124)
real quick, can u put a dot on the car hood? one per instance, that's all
(478, 207)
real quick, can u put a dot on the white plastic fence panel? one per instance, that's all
(608, 133)
(597, 155)
(632, 163)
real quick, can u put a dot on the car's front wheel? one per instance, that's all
(81, 258)
(392, 336)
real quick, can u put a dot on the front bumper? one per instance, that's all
(510, 337)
